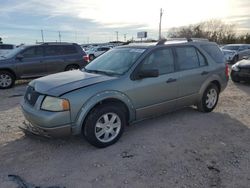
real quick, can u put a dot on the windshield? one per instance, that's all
(116, 61)
(231, 48)
(12, 53)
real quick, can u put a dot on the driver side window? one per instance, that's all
(161, 60)
(33, 52)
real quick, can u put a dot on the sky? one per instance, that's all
(91, 21)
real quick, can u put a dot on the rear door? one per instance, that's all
(53, 59)
(193, 69)
(32, 64)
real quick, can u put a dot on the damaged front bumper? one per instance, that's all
(56, 132)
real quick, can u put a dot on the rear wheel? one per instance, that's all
(71, 67)
(7, 79)
(209, 99)
(105, 125)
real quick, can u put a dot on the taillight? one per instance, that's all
(227, 71)
(86, 58)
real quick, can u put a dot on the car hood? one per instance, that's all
(244, 63)
(61, 83)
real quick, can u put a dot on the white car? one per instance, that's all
(236, 52)
(95, 52)
(6, 48)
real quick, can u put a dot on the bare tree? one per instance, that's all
(214, 30)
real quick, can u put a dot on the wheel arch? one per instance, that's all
(9, 70)
(99, 99)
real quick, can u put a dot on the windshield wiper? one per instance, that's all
(101, 72)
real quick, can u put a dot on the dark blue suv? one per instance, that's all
(30, 61)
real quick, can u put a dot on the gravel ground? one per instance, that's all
(181, 149)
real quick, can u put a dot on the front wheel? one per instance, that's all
(105, 125)
(209, 99)
(7, 80)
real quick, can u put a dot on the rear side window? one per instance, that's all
(187, 58)
(52, 50)
(162, 60)
(214, 51)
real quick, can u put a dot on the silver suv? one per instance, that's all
(125, 85)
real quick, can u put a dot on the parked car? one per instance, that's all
(236, 52)
(241, 71)
(6, 48)
(125, 85)
(95, 52)
(29, 61)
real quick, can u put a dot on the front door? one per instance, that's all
(156, 95)
(31, 64)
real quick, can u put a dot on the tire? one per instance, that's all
(234, 77)
(7, 79)
(91, 57)
(206, 104)
(71, 67)
(97, 129)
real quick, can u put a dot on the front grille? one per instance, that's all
(31, 95)
(244, 70)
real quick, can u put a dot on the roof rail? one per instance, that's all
(197, 39)
(48, 43)
(161, 41)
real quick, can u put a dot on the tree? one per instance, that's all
(214, 30)
(1, 40)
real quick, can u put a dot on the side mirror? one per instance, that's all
(19, 57)
(147, 73)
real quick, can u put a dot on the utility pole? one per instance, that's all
(161, 13)
(125, 37)
(42, 35)
(59, 35)
(117, 35)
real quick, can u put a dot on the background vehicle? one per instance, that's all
(241, 71)
(235, 52)
(95, 52)
(40, 60)
(125, 85)
(6, 48)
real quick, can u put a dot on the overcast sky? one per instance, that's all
(85, 21)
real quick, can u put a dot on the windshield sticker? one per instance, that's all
(137, 50)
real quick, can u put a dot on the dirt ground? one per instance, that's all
(182, 149)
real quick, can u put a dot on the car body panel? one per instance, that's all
(61, 83)
(143, 98)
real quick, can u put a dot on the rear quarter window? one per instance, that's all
(69, 49)
(214, 52)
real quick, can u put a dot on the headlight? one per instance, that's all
(55, 104)
(235, 68)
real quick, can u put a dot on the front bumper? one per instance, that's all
(48, 124)
(57, 132)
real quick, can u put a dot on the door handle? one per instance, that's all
(171, 80)
(204, 73)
